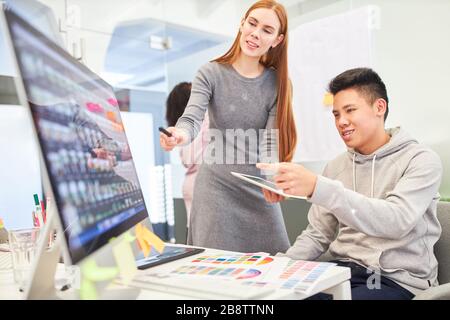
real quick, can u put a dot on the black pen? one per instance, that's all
(167, 133)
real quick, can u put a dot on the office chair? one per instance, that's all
(442, 252)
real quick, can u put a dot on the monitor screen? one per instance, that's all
(83, 142)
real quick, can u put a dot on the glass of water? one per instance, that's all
(23, 244)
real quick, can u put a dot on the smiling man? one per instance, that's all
(374, 207)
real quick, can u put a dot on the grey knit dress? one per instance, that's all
(228, 213)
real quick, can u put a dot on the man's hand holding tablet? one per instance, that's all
(271, 191)
(295, 180)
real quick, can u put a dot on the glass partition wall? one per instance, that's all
(142, 48)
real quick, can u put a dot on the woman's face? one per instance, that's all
(259, 32)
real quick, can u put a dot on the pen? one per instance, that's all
(167, 133)
(44, 212)
(38, 210)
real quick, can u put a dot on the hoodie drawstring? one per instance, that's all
(373, 174)
(354, 172)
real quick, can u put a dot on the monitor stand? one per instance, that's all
(41, 284)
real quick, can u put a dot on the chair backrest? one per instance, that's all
(442, 247)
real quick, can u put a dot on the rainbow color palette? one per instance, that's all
(243, 259)
(266, 260)
(251, 273)
(226, 272)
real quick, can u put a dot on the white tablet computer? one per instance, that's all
(266, 184)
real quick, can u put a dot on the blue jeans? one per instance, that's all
(384, 289)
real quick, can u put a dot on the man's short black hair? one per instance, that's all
(365, 80)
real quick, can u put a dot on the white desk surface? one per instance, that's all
(335, 281)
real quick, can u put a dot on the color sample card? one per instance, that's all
(266, 260)
(251, 273)
(302, 275)
(224, 272)
(298, 275)
(243, 259)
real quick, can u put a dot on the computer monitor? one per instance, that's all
(87, 165)
(83, 142)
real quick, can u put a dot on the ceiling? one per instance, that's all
(131, 60)
(131, 55)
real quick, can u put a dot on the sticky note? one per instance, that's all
(125, 260)
(148, 239)
(88, 290)
(1, 223)
(153, 240)
(129, 237)
(143, 245)
(90, 274)
(328, 99)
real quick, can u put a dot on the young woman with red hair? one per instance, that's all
(245, 91)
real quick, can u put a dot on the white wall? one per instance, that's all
(412, 50)
(19, 163)
(6, 66)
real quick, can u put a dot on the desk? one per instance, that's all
(334, 281)
(9, 290)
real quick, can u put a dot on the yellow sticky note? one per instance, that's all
(328, 99)
(1, 223)
(128, 237)
(125, 261)
(148, 239)
(145, 247)
(91, 273)
(88, 290)
(153, 240)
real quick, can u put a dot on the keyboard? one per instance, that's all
(170, 253)
(200, 288)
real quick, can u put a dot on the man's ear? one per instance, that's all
(381, 107)
(278, 41)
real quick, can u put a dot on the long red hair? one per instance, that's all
(276, 58)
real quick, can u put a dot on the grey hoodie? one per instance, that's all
(378, 210)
